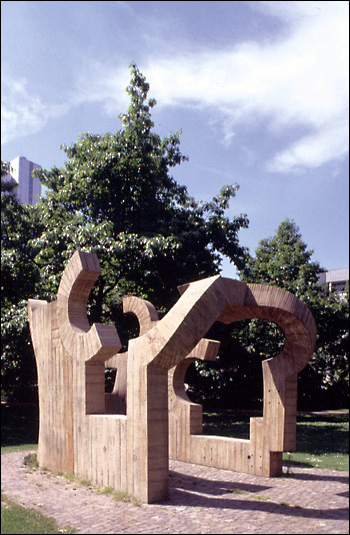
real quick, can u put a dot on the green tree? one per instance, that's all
(19, 278)
(235, 379)
(115, 197)
(285, 261)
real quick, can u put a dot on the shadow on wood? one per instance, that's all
(123, 439)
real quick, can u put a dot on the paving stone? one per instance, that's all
(202, 500)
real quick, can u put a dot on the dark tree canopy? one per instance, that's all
(235, 380)
(115, 197)
(285, 261)
(19, 277)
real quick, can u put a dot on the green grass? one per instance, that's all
(21, 447)
(322, 438)
(115, 494)
(19, 426)
(31, 461)
(322, 442)
(17, 519)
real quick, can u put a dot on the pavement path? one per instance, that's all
(202, 500)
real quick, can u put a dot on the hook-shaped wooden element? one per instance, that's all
(144, 311)
(130, 452)
(96, 343)
(276, 431)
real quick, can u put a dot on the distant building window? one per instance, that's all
(335, 280)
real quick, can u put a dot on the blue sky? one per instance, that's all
(260, 91)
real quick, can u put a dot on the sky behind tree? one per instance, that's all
(260, 91)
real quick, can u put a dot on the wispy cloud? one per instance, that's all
(320, 147)
(21, 112)
(295, 87)
(301, 80)
(99, 82)
(298, 81)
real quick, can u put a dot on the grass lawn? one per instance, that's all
(16, 519)
(322, 438)
(19, 426)
(322, 441)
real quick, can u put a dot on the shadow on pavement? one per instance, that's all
(192, 491)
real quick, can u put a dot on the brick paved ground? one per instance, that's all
(202, 500)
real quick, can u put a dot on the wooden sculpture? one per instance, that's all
(121, 440)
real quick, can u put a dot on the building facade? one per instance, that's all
(28, 186)
(335, 280)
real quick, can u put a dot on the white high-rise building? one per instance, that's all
(335, 279)
(28, 186)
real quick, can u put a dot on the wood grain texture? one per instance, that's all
(276, 431)
(123, 439)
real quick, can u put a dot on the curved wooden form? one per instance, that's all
(130, 452)
(185, 417)
(144, 311)
(70, 359)
(96, 343)
(276, 431)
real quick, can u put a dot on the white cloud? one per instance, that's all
(21, 112)
(313, 150)
(300, 81)
(297, 82)
(102, 83)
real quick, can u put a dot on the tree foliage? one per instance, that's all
(235, 379)
(115, 197)
(19, 277)
(285, 261)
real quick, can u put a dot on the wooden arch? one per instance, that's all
(130, 452)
